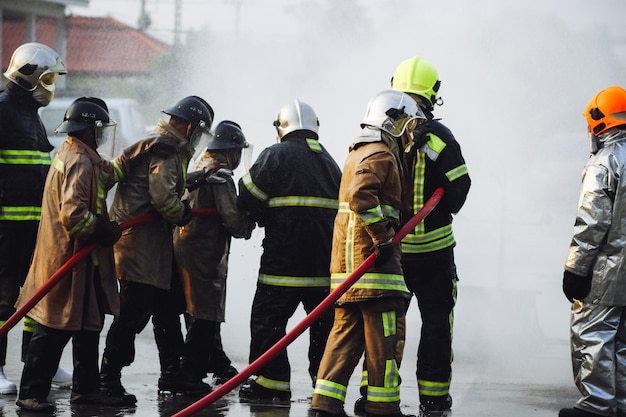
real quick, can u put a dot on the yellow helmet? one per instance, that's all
(606, 110)
(418, 76)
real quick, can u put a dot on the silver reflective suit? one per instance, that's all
(598, 323)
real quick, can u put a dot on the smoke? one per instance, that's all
(515, 79)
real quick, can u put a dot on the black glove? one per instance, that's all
(384, 251)
(576, 286)
(186, 214)
(106, 232)
(195, 179)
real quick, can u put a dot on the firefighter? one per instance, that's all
(594, 280)
(73, 215)
(291, 191)
(371, 314)
(144, 254)
(428, 251)
(24, 163)
(202, 246)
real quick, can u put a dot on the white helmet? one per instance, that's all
(296, 116)
(32, 61)
(392, 111)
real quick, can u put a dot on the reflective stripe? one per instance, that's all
(364, 379)
(392, 376)
(273, 384)
(350, 239)
(383, 394)
(118, 174)
(24, 157)
(103, 182)
(314, 145)
(303, 201)
(58, 164)
(377, 212)
(435, 143)
(29, 325)
(20, 213)
(288, 281)
(389, 323)
(372, 281)
(330, 389)
(433, 388)
(371, 216)
(457, 172)
(172, 207)
(81, 228)
(253, 189)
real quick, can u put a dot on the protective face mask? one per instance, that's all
(44, 92)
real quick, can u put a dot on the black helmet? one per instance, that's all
(85, 113)
(194, 110)
(228, 135)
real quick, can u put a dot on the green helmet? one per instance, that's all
(417, 76)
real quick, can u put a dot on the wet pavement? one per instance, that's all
(499, 371)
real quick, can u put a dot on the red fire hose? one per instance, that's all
(327, 303)
(66, 268)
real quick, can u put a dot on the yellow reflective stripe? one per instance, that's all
(371, 216)
(118, 174)
(383, 394)
(428, 247)
(372, 281)
(80, 229)
(392, 376)
(389, 323)
(29, 325)
(172, 206)
(350, 241)
(253, 189)
(433, 235)
(390, 211)
(314, 145)
(435, 143)
(456, 173)
(289, 281)
(303, 201)
(330, 389)
(273, 384)
(364, 380)
(103, 182)
(20, 213)
(433, 388)
(58, 164)
(24, 157)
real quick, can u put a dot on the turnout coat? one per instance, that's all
(74, 194)
(202, 246)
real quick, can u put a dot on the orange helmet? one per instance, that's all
(606, 110)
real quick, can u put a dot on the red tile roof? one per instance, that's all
(95, 45)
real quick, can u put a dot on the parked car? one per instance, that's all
(125, 111)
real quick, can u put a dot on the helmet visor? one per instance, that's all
(200, 135)
(47, 80)
(104, 132)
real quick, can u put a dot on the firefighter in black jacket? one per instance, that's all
(427, 252)
(291, 191)
(24, 163)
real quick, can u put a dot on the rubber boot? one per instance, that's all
(111, 384)
(6, 386)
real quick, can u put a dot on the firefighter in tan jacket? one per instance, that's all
(144, 254)
(74, 214)
(370, 315)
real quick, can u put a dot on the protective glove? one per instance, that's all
(384, 251)
(576, 286)
(196, 179)
(106, 232)
(186, 214)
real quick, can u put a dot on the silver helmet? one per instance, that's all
(296, 116)
(393, 112)
(33, 61)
